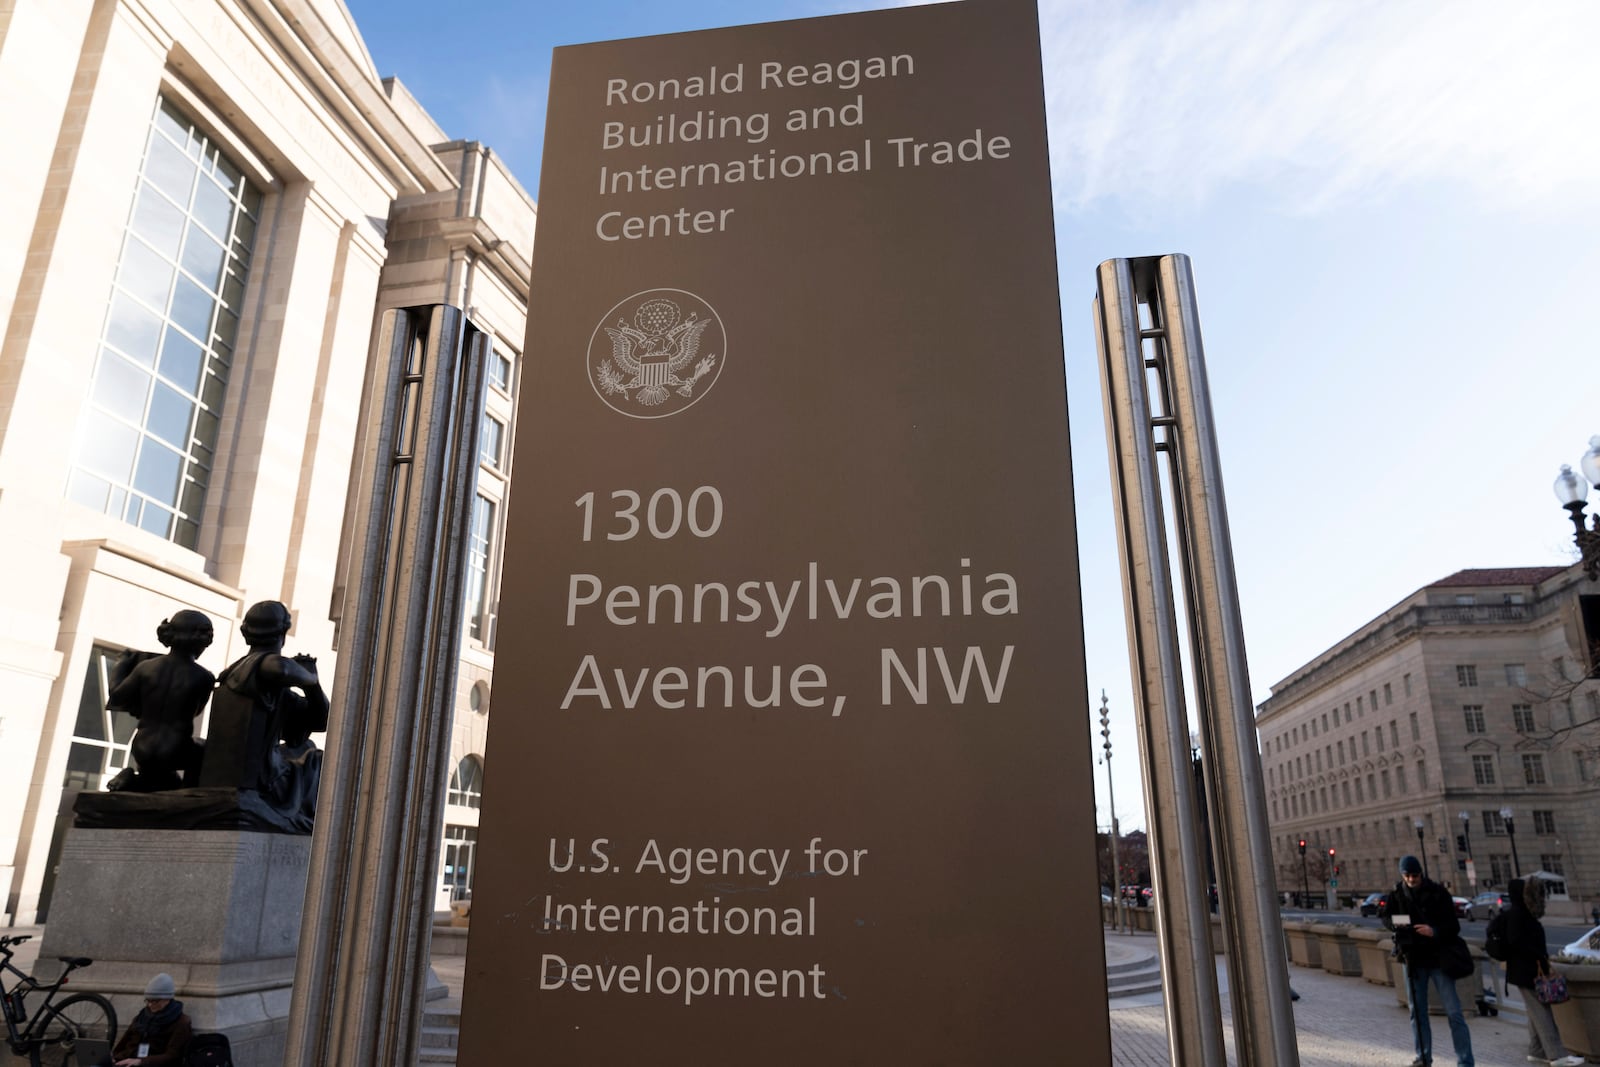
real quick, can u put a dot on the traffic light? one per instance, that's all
(1330, 854)
(1461, 843)
(1336, 870)
(1302, 846)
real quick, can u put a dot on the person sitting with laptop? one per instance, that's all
(160, 1033)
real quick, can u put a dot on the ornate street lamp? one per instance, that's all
(1466, 838)
(1573, 494)
(1422, 850)
(1111, 789)
(1511, 832)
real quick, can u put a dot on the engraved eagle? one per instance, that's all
(648, 354)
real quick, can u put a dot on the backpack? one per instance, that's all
(208, 1050)
(1494, 938)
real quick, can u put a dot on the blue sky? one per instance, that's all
(1393, 209)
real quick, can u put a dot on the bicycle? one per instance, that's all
(50, 1037)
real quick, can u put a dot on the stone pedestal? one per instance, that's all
(1339, 954)
(219, 910)
(1374, 949)
(1305, 950)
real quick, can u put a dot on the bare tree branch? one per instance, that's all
(1561, 690)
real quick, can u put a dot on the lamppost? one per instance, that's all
(1111, 789)
(1511, 832)
(1572, 493)
(1466, 837)
(1422, 849)
(1305, 885)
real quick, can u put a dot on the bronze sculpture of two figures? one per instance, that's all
(258, 751)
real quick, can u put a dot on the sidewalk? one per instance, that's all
(1339, 1022)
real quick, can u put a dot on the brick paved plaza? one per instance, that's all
(1339, 1022)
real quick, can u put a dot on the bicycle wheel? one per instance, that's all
(82, 1015)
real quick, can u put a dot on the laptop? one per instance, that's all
(92, 1053)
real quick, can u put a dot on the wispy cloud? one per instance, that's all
(1324, 102)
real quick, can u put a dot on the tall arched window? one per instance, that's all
(147, 441)
(466, 783)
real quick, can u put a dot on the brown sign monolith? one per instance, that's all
(789, 754)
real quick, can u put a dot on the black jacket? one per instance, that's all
(1427, 905)
(1525, 943)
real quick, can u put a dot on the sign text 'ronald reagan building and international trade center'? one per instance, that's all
(790, 757)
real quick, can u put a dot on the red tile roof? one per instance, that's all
(1499, 576)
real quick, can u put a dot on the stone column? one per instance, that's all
(361, 975)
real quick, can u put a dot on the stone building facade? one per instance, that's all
(208, 204)
(1472, 695)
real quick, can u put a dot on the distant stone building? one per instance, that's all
(208, 203)
(1474, 694)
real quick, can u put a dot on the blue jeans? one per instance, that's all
(1417, 981)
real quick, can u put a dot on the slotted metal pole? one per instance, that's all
(1158, 401)
(1183, 925)
(361, 975)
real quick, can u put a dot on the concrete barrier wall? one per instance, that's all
(1358, 952)
(1305, 949)
(1374, 948)
(1339, 953)
(1579, 1017)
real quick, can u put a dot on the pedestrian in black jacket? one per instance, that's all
(1423, 918)
(1526, 955)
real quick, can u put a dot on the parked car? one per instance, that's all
(1586, 947)
(1463, 907)
(1486, 905)
(1374, 904)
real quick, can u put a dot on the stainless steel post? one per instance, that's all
(1263, 1019)
(362, 969)
(1158, 401)
(1188, 967)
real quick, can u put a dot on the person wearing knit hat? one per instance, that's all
(1423, 918)
(160, 1033)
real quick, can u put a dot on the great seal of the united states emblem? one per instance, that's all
(656, 353)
